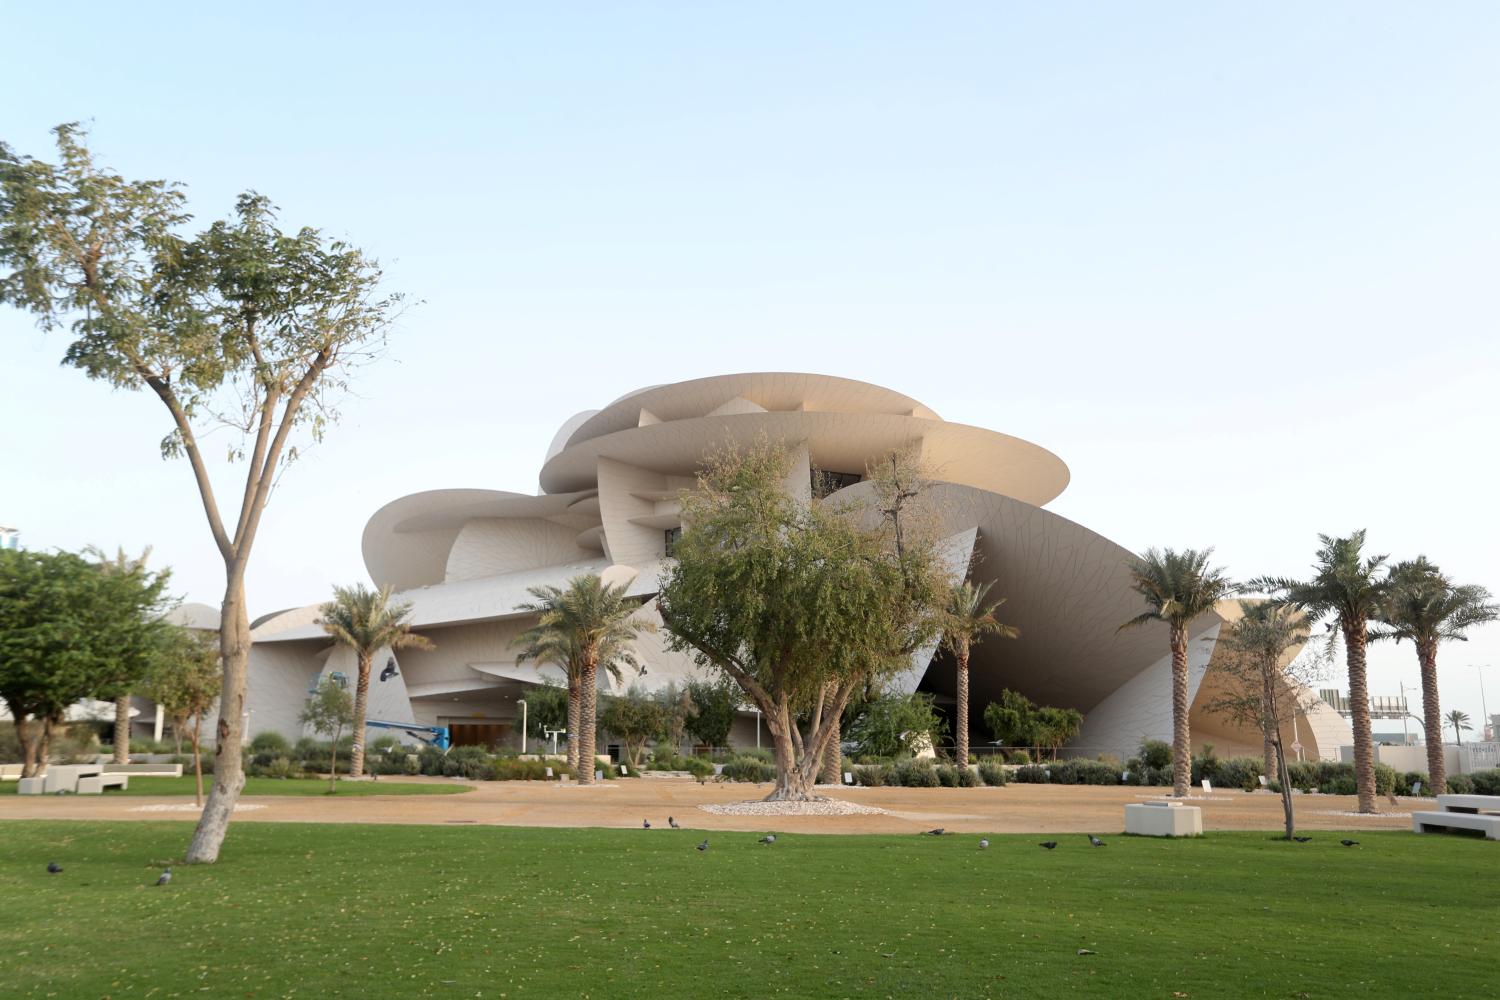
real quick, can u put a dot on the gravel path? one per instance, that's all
(822, 807)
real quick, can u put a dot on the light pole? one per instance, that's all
(1483, 707)
(522, 703)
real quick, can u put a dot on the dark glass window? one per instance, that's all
(825, 482)
(673, 534)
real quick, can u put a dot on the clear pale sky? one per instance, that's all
(1235, 264)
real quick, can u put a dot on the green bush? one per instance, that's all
(1406, 782)
(1486, 782)
(271, 742)
(700, 768)
(1032, 774)
(1018, 757)
(916, 774)
(748, 767)
(1460, 784)
(967, 778)
(1335, 778)
(1156, 754)
(467, 762)
(947, 775)
(874, 775)
(515, 769)
(1084, 772)
(992, 773)
(1229, 772)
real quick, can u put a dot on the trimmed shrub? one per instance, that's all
(698, 767)
(1486, 782)
(467, 762)
(1230, 772)
(1460, 784)
(947, 775)
(748, 768)
(992, 773)
(1032, 774)
(1018, 757)
(1084, 772)
(874, 775)
(271, 742)
(967, 778)
(516, 769)
(1156, 753)
(1406, 782)
(916, 774)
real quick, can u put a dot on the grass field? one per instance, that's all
(148, 785)
(409, 911)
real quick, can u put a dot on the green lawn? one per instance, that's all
(408, 911)
(184, 785)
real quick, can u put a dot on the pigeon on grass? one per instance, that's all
(703, 846)
(53, 868)
(165, 877)
(1095, 841)
(769, 838)
(1048, 844)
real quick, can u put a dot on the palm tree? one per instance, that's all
(1178, 587)
(1427, 608)
(366, 621)
(1460, 723)
(1348, 591)
(587, 626)
(968, 620)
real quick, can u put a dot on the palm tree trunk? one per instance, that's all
(1359, 707)
(1432, 719)
(833, 757)
(122, 729)
(961, 712)
(361, 709)
(1182, 752)
(575, 715)
(588, 702)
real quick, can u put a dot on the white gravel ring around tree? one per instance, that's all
(819, 807)
(190, 808)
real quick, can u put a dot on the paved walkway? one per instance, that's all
(623, 804)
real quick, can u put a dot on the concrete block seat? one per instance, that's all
(95, 784)
(30, 786)
(64, 777)
(1461, 812)
(1163, 819)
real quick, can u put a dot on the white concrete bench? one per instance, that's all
(95, 784)
(11, 772)
(30, 786)
(1163, 819)
(64, 777)
(1461, 812)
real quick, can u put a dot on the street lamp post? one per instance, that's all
(1483, 706)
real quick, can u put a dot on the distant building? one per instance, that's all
(1391, 721)
(10, 538)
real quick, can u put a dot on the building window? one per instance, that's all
(825, 482)
(673, 536)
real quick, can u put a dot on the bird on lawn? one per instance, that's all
(769, 838)
(703, 846)
(935, 833)
(983, 843)
(53, 867)
(1302, 840)
(1349, 843)
(673, 823)
(645, 824)
(1048, 844)
(1095, 841)
(166, 877)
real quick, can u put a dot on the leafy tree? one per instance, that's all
(1460, 723)
(185, 683)
(799, 603)
(70, 630)
(1056, 726)
(588, 626)
(895, 725)
(636, 718)
(1347, 591)
(1426, 607)
(329, 710)
(242, 327)
(1016, 721)
(366, 621)
(1178, 587)
(715, 703)
(969, 619)
(676, 703)
(1264, 685)
(123, 563)
(546, 708)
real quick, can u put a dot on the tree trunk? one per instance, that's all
(1432, 719)
(333, 761)
(588, 701)
(229, 766)
(28, 747)
(1285, 777)
(198, 757)
(833, 757)
(575, 713)
(961, 712)
(122, 729)
(1359, 707)
(792, 783)
(177, 734)
(44, 748)
(1270, 728)
(1182, 747)
(361, 709)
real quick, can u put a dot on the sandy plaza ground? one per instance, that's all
(1016, 808)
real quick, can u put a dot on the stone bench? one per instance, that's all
(64, 777)
(11, 772)
(1163, 819)
(95, 784)
(1461, 812)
